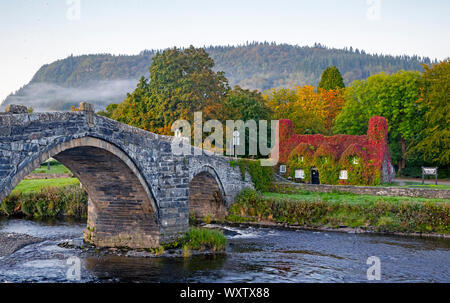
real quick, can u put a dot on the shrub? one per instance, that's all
(51, 202)
(262, 176)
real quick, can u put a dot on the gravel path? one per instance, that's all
(11, 242)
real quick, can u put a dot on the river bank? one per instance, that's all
(341, 229)
(343, 212)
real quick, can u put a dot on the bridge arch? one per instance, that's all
(122, 210)
(207, 196)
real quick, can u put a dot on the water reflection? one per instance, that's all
(133, 269)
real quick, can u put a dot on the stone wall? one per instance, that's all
(47, 176)
(372, 190)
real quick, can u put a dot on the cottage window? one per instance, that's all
(343, 175)
(299, 174)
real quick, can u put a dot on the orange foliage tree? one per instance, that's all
(311, 112)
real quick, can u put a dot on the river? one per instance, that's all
(252, 255)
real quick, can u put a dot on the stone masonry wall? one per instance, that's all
(206, 198)
(374, 191)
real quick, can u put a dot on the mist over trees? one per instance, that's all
(254, 66)
(412, 96)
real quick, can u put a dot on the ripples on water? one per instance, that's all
(253, 255)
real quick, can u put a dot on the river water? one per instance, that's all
(252, 255)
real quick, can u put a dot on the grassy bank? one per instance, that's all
(346, 198)
(55, 168)
(45, 202)
(317, 210)
(36, 186)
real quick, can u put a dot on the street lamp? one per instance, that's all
(236, 141)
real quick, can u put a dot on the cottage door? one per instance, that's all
(315, 179)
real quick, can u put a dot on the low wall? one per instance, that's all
(47, 176)
(373, 190)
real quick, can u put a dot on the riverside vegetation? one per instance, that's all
(335, 210)
(46, 202)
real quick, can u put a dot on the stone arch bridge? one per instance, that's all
(140, 193)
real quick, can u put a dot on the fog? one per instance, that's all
(52, 97)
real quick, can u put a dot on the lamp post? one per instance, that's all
(236, 142)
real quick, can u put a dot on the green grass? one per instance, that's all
(204, 238)
(348, 198)
(55, 168)
(34, 186)
(200, 239)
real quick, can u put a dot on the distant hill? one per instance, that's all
(103, 78)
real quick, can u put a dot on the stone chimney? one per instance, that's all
(86, 107)
(89, 109)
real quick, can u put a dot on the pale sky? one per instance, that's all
(37, 32)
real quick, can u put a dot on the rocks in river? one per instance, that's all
(72, 243)
(12, 242)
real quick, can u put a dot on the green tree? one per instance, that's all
(394, 97)
(434, 142)
(331, 79)
(181, 82)
(243, 104)
(109, 110)
(134, 109)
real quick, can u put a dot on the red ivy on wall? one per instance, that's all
(371, 150)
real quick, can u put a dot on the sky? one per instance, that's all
(38, 32)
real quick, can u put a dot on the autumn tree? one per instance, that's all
(334, 102)
(302, 105)
(331, 79)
